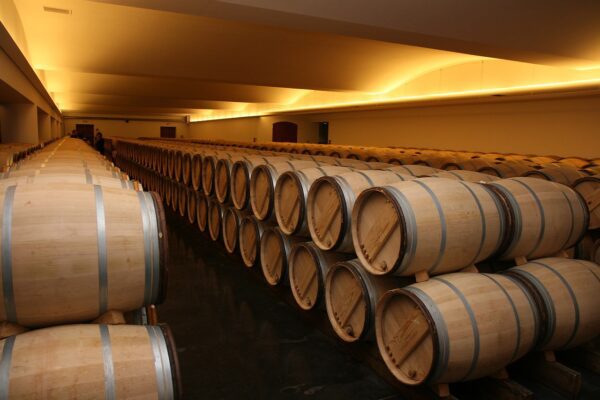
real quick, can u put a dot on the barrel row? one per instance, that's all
(398, 155)
(11, 153)
(100, 247)
(229, 173)
(349, 291)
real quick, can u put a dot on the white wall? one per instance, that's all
(131, 129)
(563, 126)
(21, 125)
(253, 128)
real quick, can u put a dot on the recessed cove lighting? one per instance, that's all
(58, 10)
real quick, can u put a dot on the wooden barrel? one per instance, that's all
(251, 231)
(202, 211)
(263, 182)
(351, 295)
(196, 177)
(275, 249)
(104, 170)
(574, 162)
(429, 224)
(418, 171)
(174, 195)
(109, 253)
(167, 188)
(291, 191)
(545, 217)
(469, 164)
(90, 361)
(361, 165)
(464, 175)
(564, 175)
(330, 202)
(566, 293)
(589, 189)
(308, 267)
(192, 205)
(541, 159)
(508, 169)
(231, 224)
(186, 168)
(182, 199)
(455, 327)
(223, 178)
(214, 219)
(106, 181)
(208, 174)
(241, 173)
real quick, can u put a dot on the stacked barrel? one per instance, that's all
(83, 253)
(389, 245)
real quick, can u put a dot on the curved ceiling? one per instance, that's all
(212, 59)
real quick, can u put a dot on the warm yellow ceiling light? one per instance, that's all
(472, 79)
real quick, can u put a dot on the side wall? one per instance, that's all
(131, 129)
(568, 126)
(563, 126)
(253, 128)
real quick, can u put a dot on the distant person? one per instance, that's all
(99, 142)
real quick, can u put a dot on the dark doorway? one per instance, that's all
(285, 132)
(323, 132)
(86, 132)
(168, 132)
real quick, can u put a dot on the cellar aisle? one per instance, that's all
(237, 339)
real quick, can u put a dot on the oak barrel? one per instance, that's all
(192, 205)
(275, 248)
(80, 178)
(90, 361)
(291, 191)
(455, 327)
(351, 295)
(545, 217)
(241, 173)
(435, 225)
(250, 231)
(231, 224)
(263, 181)
(564, 175)
(196, 176)
(201, 211)
(331, 200)
(96, 249)
(214, 219)
(589, 189)
(465, 175)
(308, 267)
(566, 293)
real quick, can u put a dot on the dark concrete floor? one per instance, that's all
(238, 339)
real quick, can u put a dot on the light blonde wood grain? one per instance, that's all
(250, 234)
(559, 174)
(566, 293)
(455, 327)
(275, 248)
(308, 267)
(291, 192)
(351, 295)
(548, 217)
(589, 189)
(68, 362)
(428, 224)
(55, 255)
(331, 199)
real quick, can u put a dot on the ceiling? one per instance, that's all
(218, 59)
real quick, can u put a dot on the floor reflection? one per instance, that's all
(237, 339)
